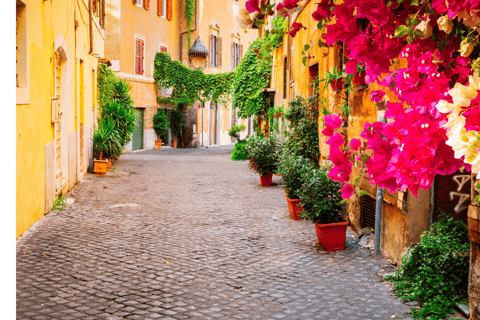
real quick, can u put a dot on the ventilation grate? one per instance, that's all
(368, 211)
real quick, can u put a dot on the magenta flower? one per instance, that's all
(253, 5)
(347, 191)
(377, 96)
(295, 28)
(332, 122)
(355, 144)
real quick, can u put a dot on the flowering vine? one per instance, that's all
(433, 122)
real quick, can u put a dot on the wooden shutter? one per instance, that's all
(142, 56)
(137, 56)
(169, 10)
(219, 52)
(232, 64)
(160, 7)
(146, 4)
(210, 45)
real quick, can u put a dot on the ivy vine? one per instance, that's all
(190, 85)
(190, 12)
(252, 76)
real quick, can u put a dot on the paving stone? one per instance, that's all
(188, 233)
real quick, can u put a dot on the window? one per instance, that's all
(142, 3)
(215, 51)
(99, 11)
(237, 50)
(163, 48)
(162, 8)
(138, 3)
(139, 56)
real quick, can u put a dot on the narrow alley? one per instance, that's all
(190, 234)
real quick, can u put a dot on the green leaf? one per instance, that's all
(364, 157)
(304, 61)
(477, 199)
(362, 193)
(357, 180)
(477, 186)
(306, 47)
(414, 3)
(401, 31)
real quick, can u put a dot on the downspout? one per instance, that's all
(185, 32)
(90, 26)
(378, 210)
(202, 121)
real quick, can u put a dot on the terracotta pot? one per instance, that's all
(294, 207)
(158, 143)
(337, 84)
(358, 78)
(266, 179)
(332, 235)
(100, 166)
(174, 143)
(109, 164)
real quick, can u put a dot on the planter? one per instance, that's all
(332, 235)
(100, 166)
(174, 143)
(336, 84)
(158, 143)
(294, 207)
(358, 78)
(266, 179)
(109, 164)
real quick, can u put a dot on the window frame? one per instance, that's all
(139, 3)
(23, 91)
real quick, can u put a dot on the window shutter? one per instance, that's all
(219, 50)
(169, 10)
(159, 7)
(210, 56)
(137, 51)
(241, 52)
(142, 57)
(232, 64)
(146, 4)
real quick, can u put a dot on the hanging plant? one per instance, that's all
(190, 12)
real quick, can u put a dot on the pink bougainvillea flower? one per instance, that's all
(332, 122)
(323, 10)
(377, 96)
(347, 191)
(355, 144)
(336, 140)
(291, 4)
(295, 28)
(253, 5)
(256, 51)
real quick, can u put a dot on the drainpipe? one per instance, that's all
(378, 207)
(90, 17)
(202, 122)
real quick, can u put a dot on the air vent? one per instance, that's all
(367, 205)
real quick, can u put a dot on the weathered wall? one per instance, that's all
(474, 237)
(50, 26)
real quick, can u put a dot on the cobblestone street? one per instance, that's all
(190, 234)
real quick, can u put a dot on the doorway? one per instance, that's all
(137, 137)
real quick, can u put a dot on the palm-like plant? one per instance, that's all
(106, 142)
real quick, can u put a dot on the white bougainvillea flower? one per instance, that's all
(445, 24)
(466, 48)
(244, 19)
(425, 29)
(462, 95)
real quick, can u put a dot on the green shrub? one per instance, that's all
(235, 131)
(291, 167)
(123, 117)
(106, 139)
(321, 200)
(435, 271)
(161, 124)
(238, 152)
(177, 122)
(263, 153)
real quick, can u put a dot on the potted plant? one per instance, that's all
(322, 205)
(359, 76)
(177, 123)
(106, 144)
(238, 152)
(160, 125)
(291, 167)
(335, 79)
(263, 154)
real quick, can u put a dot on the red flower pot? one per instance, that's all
(337, 84)
(294, 207)
(266, 179)
(358, 78)
(332, 235)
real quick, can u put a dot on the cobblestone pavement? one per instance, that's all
(190, 234)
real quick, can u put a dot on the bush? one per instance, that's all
(235, 131)
(161, 124)
(435, 271)
(291, 167)
(123, 117)
(106, 139)
(238, 152)
(321, 200)
(177, 122)
(263, 153)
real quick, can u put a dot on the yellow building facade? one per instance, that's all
(58, 46)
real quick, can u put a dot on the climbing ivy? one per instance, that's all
(190, 85)
(106, 81)
(276, 34)
(252, 76)
(190, 12)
